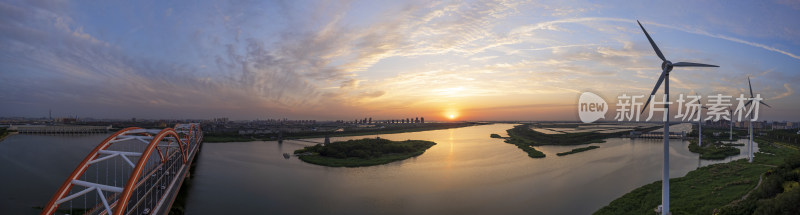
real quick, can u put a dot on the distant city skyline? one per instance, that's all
(332, 60)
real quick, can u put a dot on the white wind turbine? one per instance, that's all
(700, 124)
(750, 121)
(666, 67)
(730, 122)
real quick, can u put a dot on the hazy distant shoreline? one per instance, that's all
(227, 138)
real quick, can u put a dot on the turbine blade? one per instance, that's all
(699, 101)
(751, 86)
(658, 84)
(688, 64)
(764, 104)
(655, 47)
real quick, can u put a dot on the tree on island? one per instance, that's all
(363, 152)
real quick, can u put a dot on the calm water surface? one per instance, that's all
(465, 173)
(34, 167)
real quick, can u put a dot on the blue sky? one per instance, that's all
(481, 60)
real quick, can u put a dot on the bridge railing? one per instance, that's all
(133, 171)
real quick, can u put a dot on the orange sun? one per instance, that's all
(451, 114)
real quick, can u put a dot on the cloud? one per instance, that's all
(559, 47)
(250, 73)
(372, 94)
(72, 69)
(243, 59)
(350, 83)
(789, 92)
(552, 25)
(484, 58)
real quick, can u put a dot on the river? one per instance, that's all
(465, 173)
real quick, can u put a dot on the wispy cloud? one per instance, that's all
(789, 92)
(552, 25)
(244, 59)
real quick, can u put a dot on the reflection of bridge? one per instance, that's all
(133, 171)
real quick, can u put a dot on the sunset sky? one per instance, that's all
(328, 60)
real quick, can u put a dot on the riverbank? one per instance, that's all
(363, 152)
(231, 137)
(720, 187)
(4, 134)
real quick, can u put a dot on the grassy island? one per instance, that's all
(523, 143)
(495, 136)
(583, 149)
(715, 151)
(766, 186)
(526, 138)
(363, 152)
(579, 138)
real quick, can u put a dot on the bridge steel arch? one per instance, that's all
(124, 184)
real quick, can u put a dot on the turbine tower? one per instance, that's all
(700, 124)
(750, 120)
(730, 122)
(666, 67)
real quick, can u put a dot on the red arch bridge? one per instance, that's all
(133, 171)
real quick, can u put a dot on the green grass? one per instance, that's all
(778, 193)
(540, 139)
(773, 153)
(525, 138)
(363, 152)
(699, 192)
(522, 142)
(715, 151)
(576, 150)
(715, 187)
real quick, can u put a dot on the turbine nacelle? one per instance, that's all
(666, 66)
